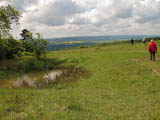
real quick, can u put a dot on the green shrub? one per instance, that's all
(25, 53)
(30, 65)
(10, 48)
(83, 46)
(40, 46)
(13, 47)
(2, 49)
(36, 44)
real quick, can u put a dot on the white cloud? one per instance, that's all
(57, 18)
(4, 3)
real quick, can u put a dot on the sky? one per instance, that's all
(65, 18)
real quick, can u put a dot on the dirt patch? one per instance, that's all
(135, 60)
(5, 84)
(156, 72)
(144, 59)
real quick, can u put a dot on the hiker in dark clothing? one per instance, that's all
(144, 40)
(132, 41)
(152, 49)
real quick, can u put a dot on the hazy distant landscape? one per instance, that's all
(69, 42)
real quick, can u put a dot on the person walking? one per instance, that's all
(132, 41)
(144, 40)
(152, 49)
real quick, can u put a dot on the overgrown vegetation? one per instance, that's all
(29, 44)
(36, 45)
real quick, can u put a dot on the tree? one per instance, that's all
(10, 48)
(27, 38)
(26, 35)
(13, 48)
(8, 16)
(33, 43)
(40, 46)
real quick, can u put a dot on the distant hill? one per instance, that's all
(100, 39)
(69, 42)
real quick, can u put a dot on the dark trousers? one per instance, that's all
(152, 54)
(132, 42)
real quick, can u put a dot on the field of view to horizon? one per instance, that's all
(80, 41)
(79, 60)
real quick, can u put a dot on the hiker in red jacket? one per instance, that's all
(152, 49)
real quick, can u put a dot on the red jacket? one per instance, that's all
(152, 47)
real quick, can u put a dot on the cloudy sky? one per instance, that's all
(63, 18)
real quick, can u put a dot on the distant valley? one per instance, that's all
(69, 42)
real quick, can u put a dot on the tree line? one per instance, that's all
(29, 44)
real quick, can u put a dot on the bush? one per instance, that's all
(30, 65)
(25, 53)
(34, 44)
(13, 47)
(83, 46)
(40, 46)
(2, 49)
(10, 48)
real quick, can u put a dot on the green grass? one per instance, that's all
(123, 85)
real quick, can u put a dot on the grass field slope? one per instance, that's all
(123, 84)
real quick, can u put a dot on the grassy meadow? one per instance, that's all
(122, 84)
